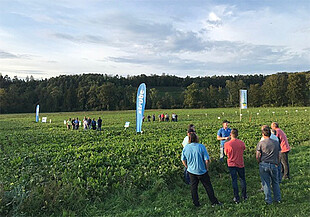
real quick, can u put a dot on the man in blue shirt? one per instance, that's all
(223, 135)
(196, 159)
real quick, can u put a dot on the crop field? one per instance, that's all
(47, 170)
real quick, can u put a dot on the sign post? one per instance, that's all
(140, 105)
(37, 113)
(243, 101)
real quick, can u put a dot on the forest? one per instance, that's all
(97, 92)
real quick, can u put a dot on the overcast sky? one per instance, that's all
(46, 38)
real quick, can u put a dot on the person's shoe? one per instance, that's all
(245, 198)
(236, 200)
(285, 178)
(217, 204)
(261, 189)
(197, 205)
(268, 203)
(278, 202)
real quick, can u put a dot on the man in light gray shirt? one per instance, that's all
(267, 154)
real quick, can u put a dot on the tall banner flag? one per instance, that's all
(37, 113)
(243, 99)
(141, 100)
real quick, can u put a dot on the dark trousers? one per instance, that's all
(205, 180)
(234, 173)
(186, 176)
(285, 169)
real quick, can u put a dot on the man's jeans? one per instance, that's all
(234, 177)
(269, 172)
(222, 154)
(206, 182)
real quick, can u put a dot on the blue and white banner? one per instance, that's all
(141, 100)
(243, 99)
(37, 113)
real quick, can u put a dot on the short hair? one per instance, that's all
(266, 131)
(275, 124)
(264, 127)
(234, 132)
(193, 138)
(191, 128)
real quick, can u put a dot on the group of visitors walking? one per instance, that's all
(162, 117)
(271, 154)
(87, 123)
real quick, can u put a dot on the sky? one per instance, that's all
(45, 38)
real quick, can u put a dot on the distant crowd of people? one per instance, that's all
(271, 153)
(87, 123)
(162, 117)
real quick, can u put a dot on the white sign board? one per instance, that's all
(44, 119)
(127, 124)
(243, 99)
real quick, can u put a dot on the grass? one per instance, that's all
(175, 200)
(47, 170)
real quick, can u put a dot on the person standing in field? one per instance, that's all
(77, 123)
(99, 121)
(191, 128)
(167, 117)
(153, 117)
(89, 123)
(93, 124)
(234, 151)
(274, 137)
(196, 159)
(223, 135)
(73, 124)
(69, 124)
(85, 123)
(267, 154)
(285, 149)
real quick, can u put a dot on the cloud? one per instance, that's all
(80, 39)
(31, 72)
(6, 55)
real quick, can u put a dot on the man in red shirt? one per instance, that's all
(234, 151)
(285, 149)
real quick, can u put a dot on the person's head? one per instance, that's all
(266, 131)
(99, 117)
(93, 119)
(264, 127)
(191, 126)
(274, 125)
(77, 118)
(234, 133)
(193, 138)
(225, 124)
(190, 130)
(273, 131)
(69, 119)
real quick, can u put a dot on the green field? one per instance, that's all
(47, 170)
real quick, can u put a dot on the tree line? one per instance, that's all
(105, 92)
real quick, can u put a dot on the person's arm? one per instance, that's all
(184, 163)
(207, 164)
(221, 138)
(258, 156)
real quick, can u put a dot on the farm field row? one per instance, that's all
(47, 169)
